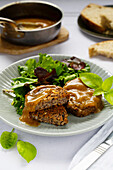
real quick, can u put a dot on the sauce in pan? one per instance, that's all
(33, 23)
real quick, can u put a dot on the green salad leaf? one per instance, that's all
(21, 81)
(66, 76)
(64, 73)
(8, 139)
(21, 86)
(28, 69)
(19, 102)
(47, 62)
(26, 150)
(19, 99)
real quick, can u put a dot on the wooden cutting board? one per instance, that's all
(9, 48)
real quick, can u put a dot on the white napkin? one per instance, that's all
(97, 139)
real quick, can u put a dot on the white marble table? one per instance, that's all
(55, 153)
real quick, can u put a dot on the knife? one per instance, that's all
(87, 162)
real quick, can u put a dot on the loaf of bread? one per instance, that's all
(104, 48)
(92, 15)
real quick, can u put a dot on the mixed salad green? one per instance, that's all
(45, 71)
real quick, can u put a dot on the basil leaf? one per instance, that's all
(98, 91)
(91, 80)
(26, 150)
(109, 96)
(107, 84)
(8, 139)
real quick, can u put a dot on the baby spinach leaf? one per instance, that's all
(107, 84)
(109, 96)
(91, 80)
(8, 139)
(26, 150)
(98, 91)
(94, 81)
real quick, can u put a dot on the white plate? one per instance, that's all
(75, 126)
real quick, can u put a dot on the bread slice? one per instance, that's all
(104, 48)
(107, 20)
(91, 16)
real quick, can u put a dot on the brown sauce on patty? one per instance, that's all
(41, 98)
(81, 96)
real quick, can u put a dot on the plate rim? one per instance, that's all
(55, 134)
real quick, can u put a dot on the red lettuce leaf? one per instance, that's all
(44, 77)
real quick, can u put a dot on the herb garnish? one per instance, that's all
(101, 87)
(8, 139)
(25, 149)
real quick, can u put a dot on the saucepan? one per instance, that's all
(30, 22)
